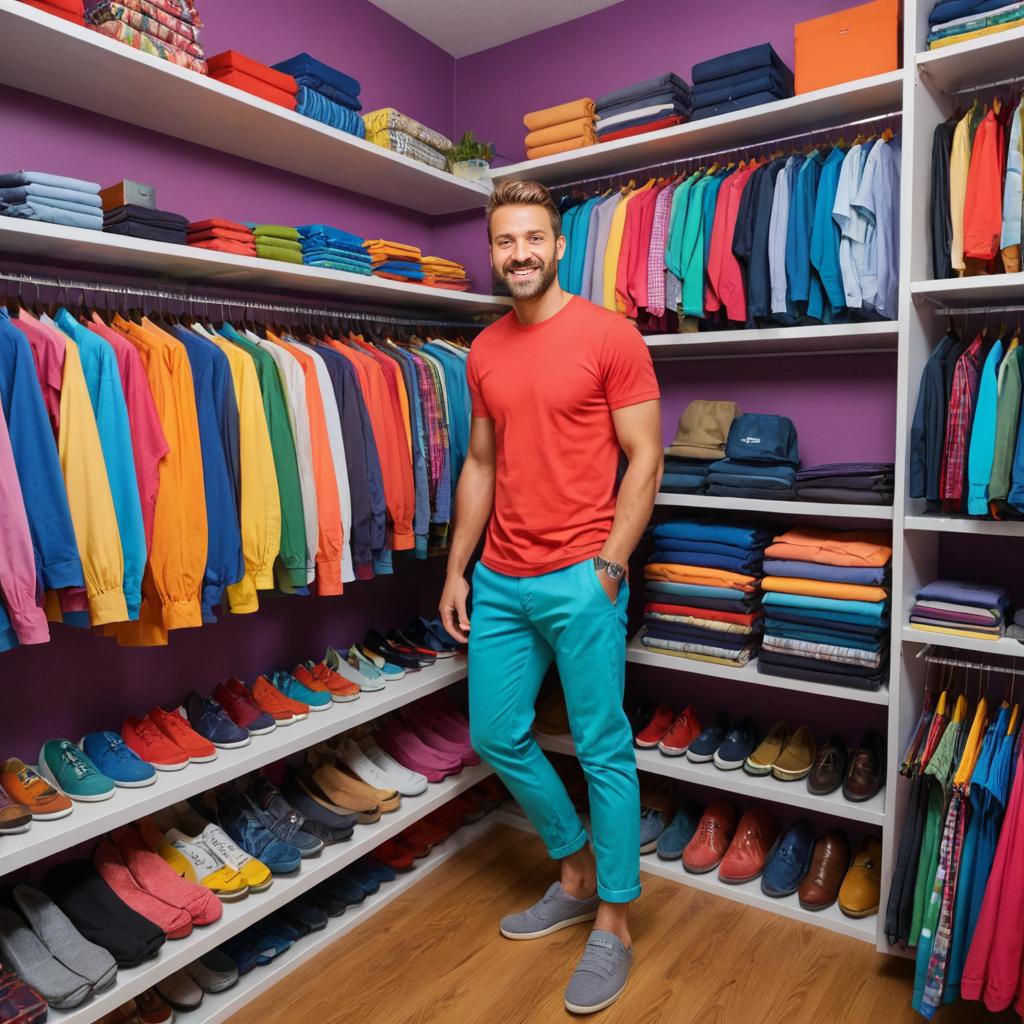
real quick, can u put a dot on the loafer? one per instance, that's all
(213, 972)
(654, 731)
(680, 831)
(866, 774)
(703, 748)
(176, 728)
(704, 852)
(555, 910)
(788, 865)
(239, 706)
(797, 759)
(860, 892)
(754, 842)
(600, 976)
(685, 728)
(211, 721)
(396, 856)
(267, 803)
(25, 786)
(408, 783)
(66, 767)
(352, 757)
(367, 678)
(364, 876)
(767, 753)
(143, 737)
(117, 761)
(195, 862)
(829, 768)
(829, 864)
(738, 745)
(14, 818)
(313, 811)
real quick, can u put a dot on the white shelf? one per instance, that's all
(792, 794)
(219, 1007)
(992, 288)
(28, 238)
(238, 916)
(763, 506)
(89, 820)
(862, 98)
(835, 338)
(988, 59)
(637, 654)
(964, 524)
(49, 56)
(1004, 646)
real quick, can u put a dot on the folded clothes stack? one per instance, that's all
(234, 68)
(761, 459)
(441, 273)
(700, 440)
(277, 242)
(398, 132)
(560, 129)
(395, 260)
(141, 222)
(168, 29)
(826, 604)
(35, 195)
(334, 249)
(961, 609)
(325, 94)
(859, 483)
(956, 21)
(738, 80)
(69, 10)
(222, 236)
(702, 599)
(643, 107)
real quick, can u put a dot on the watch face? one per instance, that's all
(616, 572)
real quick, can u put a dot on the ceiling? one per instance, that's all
(462, 27)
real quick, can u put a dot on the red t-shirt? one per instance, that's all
(550, 389)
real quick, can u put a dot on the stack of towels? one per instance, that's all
(334, 249)
(560, 129)
(644, 107)
(69, 10)
(142, 222)
(325, 94)
(956, 21)
(961, 609)
(761, 459)
(35, 195)
(234, 68)
(826, 603)
(398, 132)
(395, 260)
(700, 440)
(277, 242)
(859, 483)
(738, 80)
(222, 236)
(441, 273)
(168, 29)
(702, 595)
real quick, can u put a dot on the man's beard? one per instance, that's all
(531, 287)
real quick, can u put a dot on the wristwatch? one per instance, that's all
(613, 569)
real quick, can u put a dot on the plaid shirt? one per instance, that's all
(656, 252)
(958, 422)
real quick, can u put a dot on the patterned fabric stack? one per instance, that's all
(401, 134)
(441, 273)
(826, 601)
(222, 236)
(69, 10)
(961, 609)
(52, 198)
(395, 260)
(334, 249)
(168, 29)
(277, 242)
(700, 440)
(325, 94)
(703, 591)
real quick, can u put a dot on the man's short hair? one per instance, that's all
(524, 193)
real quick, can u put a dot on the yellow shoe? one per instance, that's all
(196, 863)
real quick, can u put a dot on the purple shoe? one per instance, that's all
(412, 753)
(433, 739)
(452, 729)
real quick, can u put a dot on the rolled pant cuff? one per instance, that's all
(568, 849)
(617, 895)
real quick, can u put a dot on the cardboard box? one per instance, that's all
(128, 193)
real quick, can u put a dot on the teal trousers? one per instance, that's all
(519, 626)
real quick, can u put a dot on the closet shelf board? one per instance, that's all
(860, 337)
(189, 263)
(861, 98)
(43, 54)
(988, 59)
(238, 916)
(964, 524)
(1004, 646)
(993, 288)
(89, 820)
(637, 654)
(764, 506)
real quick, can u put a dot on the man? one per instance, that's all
(560, 388)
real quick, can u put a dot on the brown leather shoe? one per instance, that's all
(829, 767)
(860, 892)
(797, 757)
(366, 811)
(829, 864)
(867, 769)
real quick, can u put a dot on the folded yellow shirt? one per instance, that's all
(995, 638)
(582, 128)
(571, 111)
(557, 147)
(670, 572)
(824, 588)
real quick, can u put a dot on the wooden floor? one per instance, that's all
(434, 956)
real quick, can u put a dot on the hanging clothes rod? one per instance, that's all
(1016, 80)
(941, 310)
(225, 302)
(677, 161)
(929, 655)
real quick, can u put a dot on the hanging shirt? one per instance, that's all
(614, 247)
(577, 253)
(1013, 206)
(959, 165)
(983, 201)
(877, 200)
(802, 285)
(700, 215)
(941, 218)
(568, 218)
(958, 422)
(825, 240)
(724, 283)
(759, 281)
(1007, 422)
(981, 449)
(852, 224)
(778, 232)
(48, 355)
(928, 428)
(656, 251)
(597, 240)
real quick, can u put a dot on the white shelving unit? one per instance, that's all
(963, 524)
(763, 506)
(996, 289)
(1004, 646)
(834, 339)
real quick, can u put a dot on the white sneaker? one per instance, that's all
(408, 783)
(360, 765)
(336, 662)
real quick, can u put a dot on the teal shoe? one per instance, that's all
(365, 660)
(65, 766)
(364, 675)
(286, 683)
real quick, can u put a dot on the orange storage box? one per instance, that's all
(856, 43)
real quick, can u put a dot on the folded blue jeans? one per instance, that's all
(746, 566)
(14, 178)
(22, 193)
(52, 215)
(744, 468)
(707, 547)
(761, 56)
(332, 263)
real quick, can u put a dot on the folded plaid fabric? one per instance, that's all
(145, 43)
(387, 119)
(406, 145)
(164, 28)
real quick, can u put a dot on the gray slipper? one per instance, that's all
(554, 911)
(22, 951)
(600, 976)
(67, 944)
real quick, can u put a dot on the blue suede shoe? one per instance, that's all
(117, 761)
(680, 831)
(363, 877)
(246, 829)
(703, 748)
(211, 721)
(652, 825)
(739, 743)
(377, 868)
(276, 814)
(790, 862)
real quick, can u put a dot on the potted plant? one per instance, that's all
(469, 158)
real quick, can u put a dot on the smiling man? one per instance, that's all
(560, 388)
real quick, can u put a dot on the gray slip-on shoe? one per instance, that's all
(554, 911)
(22, 951)
(600, 976)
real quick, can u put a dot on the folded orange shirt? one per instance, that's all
(256, 87)
(558, 147)
(571, 111)
(225, 245)
(702, 576)
(824, 588)
(582, 128)
(232, 60)
(229, 236)
(213, 223)
(747, 619)
(830, 547)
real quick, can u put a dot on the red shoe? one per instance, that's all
(341, 689)
(421, 838)
(756, 837)
(270, 699)
(242, 709)
(145, 739)
(178, 731)
(705, 850)
(685, 729)
(655, 729)
(395, 856)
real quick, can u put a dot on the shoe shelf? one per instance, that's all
(638, 654)
(764, 506)
(860, 338)
(239, 916)
(218, 1007)
(987, 59)
(1004, 645)
(51, 57)
(25, 238)
(964, 524)
(755, 787)
(90, 820)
